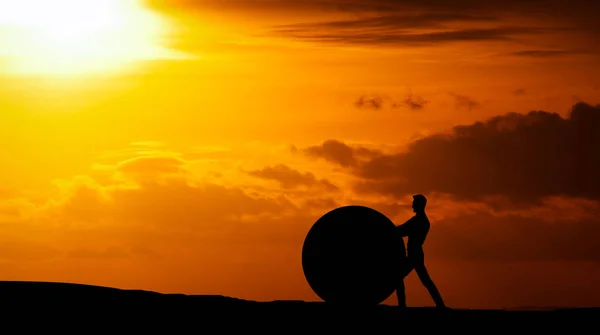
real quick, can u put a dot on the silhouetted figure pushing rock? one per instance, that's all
(416, 229)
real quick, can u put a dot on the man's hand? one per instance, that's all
(404, 229)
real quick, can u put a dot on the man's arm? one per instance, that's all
(405, 228)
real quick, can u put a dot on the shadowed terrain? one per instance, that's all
(77, 307)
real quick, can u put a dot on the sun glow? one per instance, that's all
(77, 36)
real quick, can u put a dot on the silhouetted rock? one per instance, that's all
(352, 256)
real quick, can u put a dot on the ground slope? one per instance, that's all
(87, 309)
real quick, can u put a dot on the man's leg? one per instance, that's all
(428, 283)
(400, 288)
(401, 294)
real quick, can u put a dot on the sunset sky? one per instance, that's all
(187, 146)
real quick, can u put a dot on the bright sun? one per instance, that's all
(63, 37)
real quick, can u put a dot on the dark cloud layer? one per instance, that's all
(393, 36)
(547, 53)
(569, 9)
(521, 156)
(417, 23)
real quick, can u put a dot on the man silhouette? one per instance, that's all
(416, 229)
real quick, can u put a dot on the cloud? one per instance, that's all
(426, 23)
(546, 53)
(268, 6)
(431, 10)
(182, 220)
(370, 101)
(414, 102)
(521, 156)
(140, 168)
(417, 20)
(126, 218)
(123, 214)
(378, 102)
(465, 102)
(416, 24)
(289, 178)
(411, 38)
(340, 153)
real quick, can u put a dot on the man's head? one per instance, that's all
(419, 203)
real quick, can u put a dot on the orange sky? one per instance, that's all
(188, 146)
